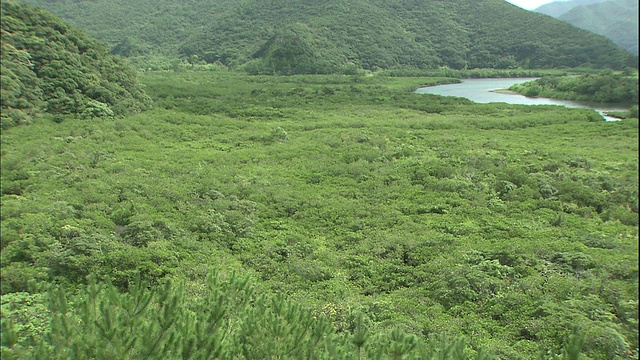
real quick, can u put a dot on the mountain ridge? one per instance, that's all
(614, 19)
(329, 35)
(558, 8)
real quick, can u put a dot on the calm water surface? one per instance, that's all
(483, 91)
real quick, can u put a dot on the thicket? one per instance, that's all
(431, 217)
(282, 36)
(48, 66)
(606, 87)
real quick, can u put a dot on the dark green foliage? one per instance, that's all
(21, 93)
(47, 66)
(338, 35)
(289, 51)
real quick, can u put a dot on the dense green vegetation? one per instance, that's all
(329, 36)
(47, 66)
(606, 87)
(335, 196)
(366, 221)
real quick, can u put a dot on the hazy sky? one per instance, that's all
(529, 4)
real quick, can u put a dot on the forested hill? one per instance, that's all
(48, 66)
(559, 8)
(614, 19)
(307, 36)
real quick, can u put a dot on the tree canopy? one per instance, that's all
(49, 66)
(367, 34)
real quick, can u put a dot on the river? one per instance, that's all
(484, 91)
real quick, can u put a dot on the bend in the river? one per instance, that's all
(484, 91)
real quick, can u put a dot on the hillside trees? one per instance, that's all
(371, 35)
(289, 51)
(50, 67)
(504, 33)
(21, 95)
(615, 19)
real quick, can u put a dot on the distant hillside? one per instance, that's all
(614, 19)
(48, 66)
(559, 8)
(311, 36)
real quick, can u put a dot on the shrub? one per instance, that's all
(96, 109)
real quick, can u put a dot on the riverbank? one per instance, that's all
(620, 88)
(607, 115)
(621, 115)
(502, 90)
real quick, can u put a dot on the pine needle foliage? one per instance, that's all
(227, 320)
